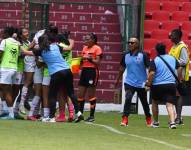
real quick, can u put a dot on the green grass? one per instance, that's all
(26, 135)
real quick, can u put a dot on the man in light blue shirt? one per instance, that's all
(136, 62)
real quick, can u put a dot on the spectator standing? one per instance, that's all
(136, 62)
(181, 52)
(163, 84)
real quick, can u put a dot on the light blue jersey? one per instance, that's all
(54, 60)
(136, 69)
(162, 73)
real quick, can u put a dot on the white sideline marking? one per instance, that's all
(107, 127)
(186, 135)
(141, 137)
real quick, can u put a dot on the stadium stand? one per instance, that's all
(150, 24)
(170, 6)
(170, 14)
(169, 25)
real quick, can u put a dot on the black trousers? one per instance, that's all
(142, 94)
(59, 80)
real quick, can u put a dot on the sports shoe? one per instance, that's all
(172, 125)
(60, 119)
(8, 117)
(124, 121)
(90, 119)
(52, 120)
(45, 119)
(179, 121)
(32, 118)
(155, 124)
(22, 109)
(4, 113)
(38, 116)
(148, 121)
(79, 118)
(70, 119)
(18, 116)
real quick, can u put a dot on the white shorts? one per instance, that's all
(18, 79)
(46, 81)
(7, 76)
(38, 75)
(30, 64)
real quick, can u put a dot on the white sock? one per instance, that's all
(46, 112)
(5, 108)
(37, 109)
(11, 114)
(79, 113)
(34, 104)
(1, 105)
(24, 92)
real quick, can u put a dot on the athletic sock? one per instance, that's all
(24, 92)
(34, 104)
(81, 103)
(11, 114)
(92, 106)
(46, 112)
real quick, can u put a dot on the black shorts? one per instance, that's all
(164, 93)
(89, 77)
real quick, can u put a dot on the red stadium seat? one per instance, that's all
(186, 35)
(170, 6)
(149, 25)
(168, 44)
(186, 6)
(180, 0)
(160, 34)
(149, 47)
(161, 15)
(186, 25)
(188, 43)
(180, 16)
(151, 6)
(169, 25)
(150, 44)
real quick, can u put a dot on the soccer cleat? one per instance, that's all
(90, 119)
(60, 119)
(79, 118)
(52, 120)
(32, 118)
(172, 125)
(45, 119)
(4, 114)
(179, 121)
(22, 109)
(70, 119)
(8, 117)
(148, 121)
(124, 121)
(37, 116)
(18, 116)
(155, 124)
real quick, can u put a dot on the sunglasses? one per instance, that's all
(131, 42)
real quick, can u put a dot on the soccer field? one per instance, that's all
(104, 134)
